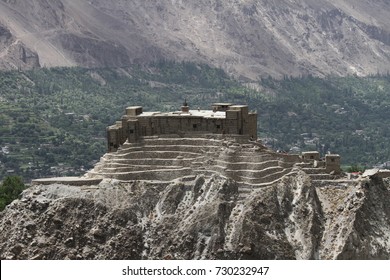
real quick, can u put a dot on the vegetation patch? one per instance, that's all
(53, 121)
(10, 189)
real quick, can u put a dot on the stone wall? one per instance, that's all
(332, 164)
(225, 122)
(235, 120)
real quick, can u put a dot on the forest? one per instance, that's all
(53, 121)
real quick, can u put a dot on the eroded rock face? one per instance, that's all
(370, 236)
(199, 218)
(14, 54)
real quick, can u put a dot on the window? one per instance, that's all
(218, 126)
(195, 125)
(131, 131)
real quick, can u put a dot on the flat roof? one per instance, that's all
(222, 104)
(191, 113)
(239, 106)
(134, 107)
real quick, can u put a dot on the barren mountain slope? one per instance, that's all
(247, 38)
(14, 53)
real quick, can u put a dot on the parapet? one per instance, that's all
(310, 156)
(221, 107)
(382, 173)
(73, 181)
(134, 110)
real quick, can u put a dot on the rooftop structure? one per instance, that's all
(223, 119)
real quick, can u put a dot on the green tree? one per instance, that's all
(355, 168)
(10, 189)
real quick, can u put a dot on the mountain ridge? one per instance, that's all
(248, 39)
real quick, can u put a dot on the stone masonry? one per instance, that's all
(166, 146)
(223, 119)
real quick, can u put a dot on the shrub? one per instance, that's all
(355, 168)
(10, 189)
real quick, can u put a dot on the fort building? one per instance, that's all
(163, 146)
(223, 119)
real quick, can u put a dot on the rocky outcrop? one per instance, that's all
(200, 217)
(370, 235)
(14, 54)
(209, 197)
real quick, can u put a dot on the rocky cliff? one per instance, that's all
(199, 218)
(14, 54)
(247, 38)
(199, 198)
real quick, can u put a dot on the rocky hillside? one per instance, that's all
(247, 38)
(202, 218)
(206, 199)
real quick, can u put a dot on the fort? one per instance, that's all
(223, 140)
(164, 146)
(224, 119)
